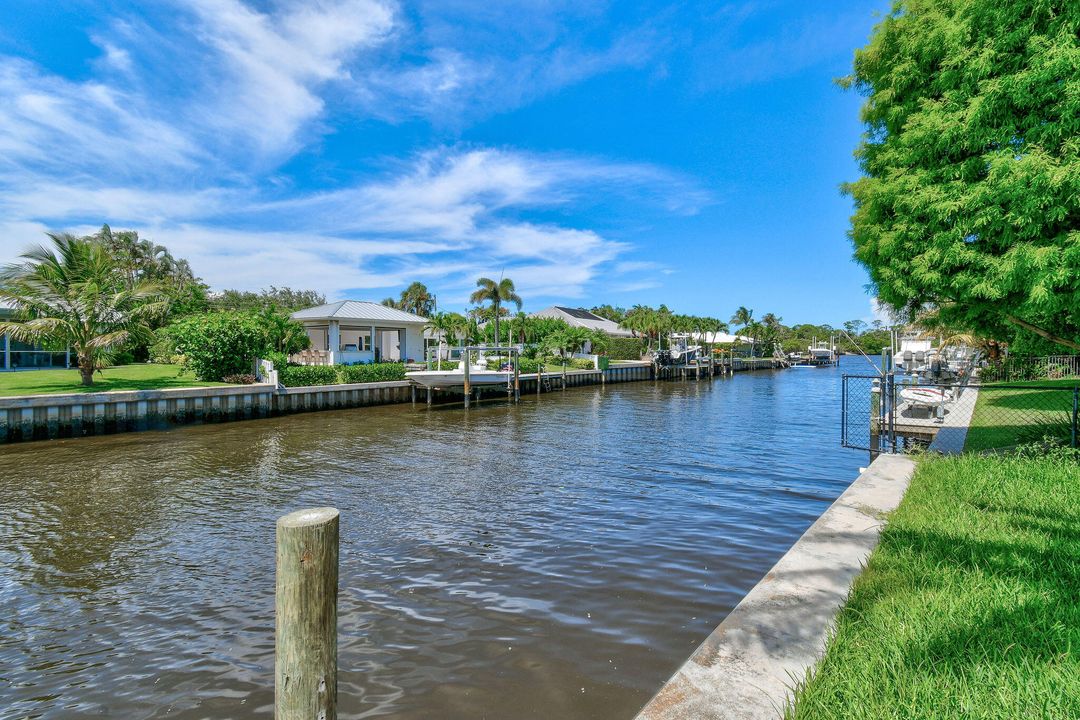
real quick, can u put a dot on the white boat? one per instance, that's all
(925, 396)
(478, 375)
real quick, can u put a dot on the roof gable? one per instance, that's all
(357, 310)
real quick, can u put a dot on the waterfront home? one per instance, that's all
(354, 331)
(16, 355)
(576, 317)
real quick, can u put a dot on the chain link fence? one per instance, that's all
(1019, 369)
(892, 414)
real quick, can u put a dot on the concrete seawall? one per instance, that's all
(746, 668)
(44, 417)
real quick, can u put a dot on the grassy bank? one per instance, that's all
(1006, 416)
(142, 376)
(970, 605)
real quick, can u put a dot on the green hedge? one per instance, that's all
(306, 375)
(551, 364)
(624, 348)
(375, 372)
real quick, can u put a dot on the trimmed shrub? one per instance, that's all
(624, 348)
(373, 372)
(218, 344)
(305, 375)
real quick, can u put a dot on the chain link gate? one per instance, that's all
(884, 413)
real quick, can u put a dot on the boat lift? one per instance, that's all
(515, 355)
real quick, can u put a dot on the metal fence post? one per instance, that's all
(1075, 412)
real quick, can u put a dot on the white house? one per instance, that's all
(354, 331)
(583, 318)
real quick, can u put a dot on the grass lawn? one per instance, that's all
(123, 377)
(1006, 417)
(970, 605)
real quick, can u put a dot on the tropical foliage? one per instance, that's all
(970, 201)
(75, 294)
(415, 299)
(216, 344)
(495, 294)
(284, 298)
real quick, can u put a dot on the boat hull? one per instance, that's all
(455, 378)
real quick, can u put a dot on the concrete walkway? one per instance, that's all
(952, 435)
(744, 670)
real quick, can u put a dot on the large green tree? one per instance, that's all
(75, 294)
(970, 202)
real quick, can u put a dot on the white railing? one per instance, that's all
(265, 371)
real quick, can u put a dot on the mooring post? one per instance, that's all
(517, 379)
(429, 398)
(413, 391)
(468, 383)
(305, 608)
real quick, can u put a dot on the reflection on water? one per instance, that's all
(559, 558)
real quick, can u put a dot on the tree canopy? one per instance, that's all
(970, 202)
(74, 293)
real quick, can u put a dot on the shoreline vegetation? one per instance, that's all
(969, 605)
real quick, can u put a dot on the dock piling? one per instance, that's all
(305, 608)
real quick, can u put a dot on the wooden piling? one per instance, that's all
(305, 660)
(468, 382)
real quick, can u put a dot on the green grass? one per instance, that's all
(124, 377)
(970, 605)
(1006, 417)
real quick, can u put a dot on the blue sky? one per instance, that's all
(630, 152)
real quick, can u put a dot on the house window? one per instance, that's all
(356, 339)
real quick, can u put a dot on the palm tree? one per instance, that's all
(390, 303)
(742, 317)
(441, 325)
(495, 293)
(417, 300)
(74, 294)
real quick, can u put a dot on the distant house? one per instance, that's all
(583, 318)
(355, 331)
(16, 355)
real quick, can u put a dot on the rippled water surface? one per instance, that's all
(559, 558)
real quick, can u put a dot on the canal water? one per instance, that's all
(555, 559)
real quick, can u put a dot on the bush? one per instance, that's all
(624, 348)
(279, 359)
(163, 351)
(306, 375)
(373, 372)
(123, 358)
(245, 379)
(218, 344)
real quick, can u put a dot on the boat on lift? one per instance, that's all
(479, 374)
(442, 379)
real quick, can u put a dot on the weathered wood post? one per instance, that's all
(468, 381)
(305, 608)
(517, 378)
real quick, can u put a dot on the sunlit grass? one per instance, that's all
(970, 605)
(1005, 417)
(141, 376)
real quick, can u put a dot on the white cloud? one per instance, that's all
(187, 114)
(274, 63)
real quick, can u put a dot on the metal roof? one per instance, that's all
(585, 319)
(357, 310)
